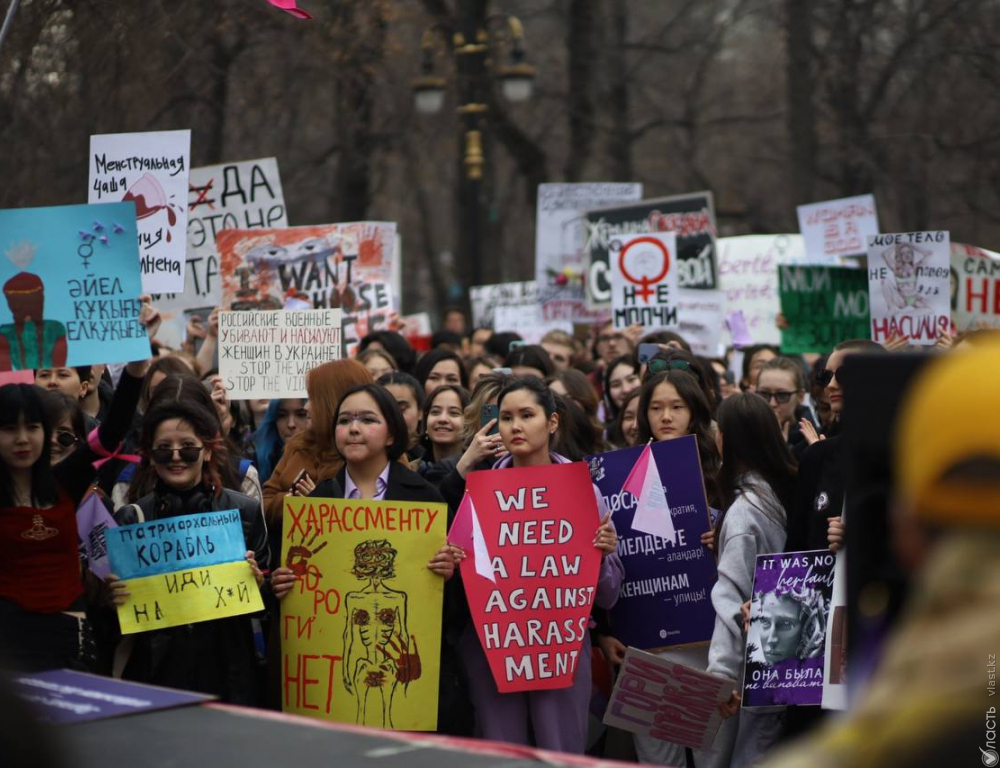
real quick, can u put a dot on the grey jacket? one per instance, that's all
(754, 525)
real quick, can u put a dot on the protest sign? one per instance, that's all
(531, 599)
(268, 354)
(908, 283)
(660, 698)
(65, 696)
(560, 256)
(643, 271)
(362, 564)
(748, 273)
(835, 652)
(691, 217)
(666, 598)
(92, 523)
(71, 287)
(336, 266)
(528, 322)
(182, 570)
(975, 287)
(789, 611)
(823, 307)
(700, 318)
(245, 195)
(485, 299)
(836, 228)
(149, 170)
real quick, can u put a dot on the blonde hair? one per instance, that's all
(487, 388)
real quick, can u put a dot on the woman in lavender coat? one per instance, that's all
(558, 718)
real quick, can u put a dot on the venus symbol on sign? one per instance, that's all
(644, 262)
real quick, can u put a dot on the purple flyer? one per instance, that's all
(63, 696)
(666, 598)
(788, 619)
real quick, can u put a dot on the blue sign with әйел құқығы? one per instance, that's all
(666, 597)
(71, 287)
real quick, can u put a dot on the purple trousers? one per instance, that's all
(557, 718)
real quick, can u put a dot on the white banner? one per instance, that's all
(837, 228)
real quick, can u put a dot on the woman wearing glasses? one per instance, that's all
(781, 382)
(671, 359)
(181, 443)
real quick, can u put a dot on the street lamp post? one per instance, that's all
(475, 73)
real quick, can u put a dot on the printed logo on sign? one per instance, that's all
(822, 501)
(990, 757)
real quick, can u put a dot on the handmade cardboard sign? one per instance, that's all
(666, 597)
(531, 599)
(643, 271)
(268, 354)
(666, 700)
(182, 570)
(71, 287)
(336, 266)
(361, 629)
(151, 171)
(789, 613)
(691, 217)
(560, 256)
(748, 273)
(837, 228)
(908, 281)
(244, 195)
(975, 287)
(486, 299)
(700, 318)
(823, 306)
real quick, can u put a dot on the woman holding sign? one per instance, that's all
(558, 718)
(42, 611)
(181, 441)
(758, 485)
(372, 435)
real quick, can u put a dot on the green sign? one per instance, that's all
(823, 306)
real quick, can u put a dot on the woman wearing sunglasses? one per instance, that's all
(671, 359)
(181, 443)
(43, 622)
(781, 382)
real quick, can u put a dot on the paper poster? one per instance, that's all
(666, 597)
(909, 285)
(643, 270)
(361, 629)
(149, 170)
(485, 299)
(65, 696)
(975, 287)
(182, 570)
(268, 354)
(691, 217)
(536, 529)
(835, 653)
(244, 195)
(330, 266)
(823, 306)
(748, 273)
(660, 698)
(789, 611)
(528, 323)
(71, 287)
(836, 228)
(92, 523)
(700, 318)
(560, 255)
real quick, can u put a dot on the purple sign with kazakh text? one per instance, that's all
(666, 597)
(789, 611)
(63, 696)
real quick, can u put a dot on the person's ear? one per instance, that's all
(84, 389)
(553, 423)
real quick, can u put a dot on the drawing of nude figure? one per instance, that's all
(903, 291)
(376, 656)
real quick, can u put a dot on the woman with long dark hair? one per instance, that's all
(757, 481)
(182, 446)
(43, 621)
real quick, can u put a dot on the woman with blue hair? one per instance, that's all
(283, 419)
